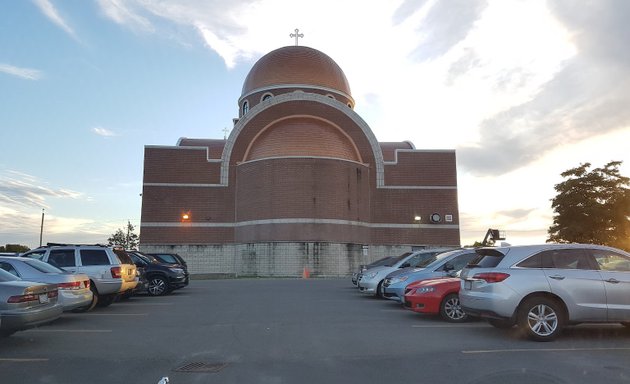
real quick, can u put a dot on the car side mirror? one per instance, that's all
(448, 267)
(453, 274)
(405, 265)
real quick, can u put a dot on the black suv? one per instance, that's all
(158, 278)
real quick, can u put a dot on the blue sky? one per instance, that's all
(522, 90)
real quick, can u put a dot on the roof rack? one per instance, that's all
(73, 245)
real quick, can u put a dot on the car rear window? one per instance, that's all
(6, 276)
(94, 257)
(43, 267)
(123, 257)
(486, 258)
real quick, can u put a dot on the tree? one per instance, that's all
(592, 206)
(127, 239)
(14, 248)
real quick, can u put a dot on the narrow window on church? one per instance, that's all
(245, 107)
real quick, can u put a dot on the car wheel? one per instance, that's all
(501, 324)
(378, 290)
(158, 286)
(541, 318)
(106, 300)
(92, 304)
(451, 310)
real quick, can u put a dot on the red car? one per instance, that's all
(436, 296)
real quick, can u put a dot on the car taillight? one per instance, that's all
(73, 285)
(116, 272)
(491, 277)
(23, 299)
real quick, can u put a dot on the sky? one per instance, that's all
(522, 90)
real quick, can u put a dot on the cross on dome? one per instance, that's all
(296, 35)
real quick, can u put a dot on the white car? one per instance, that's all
(542, 288)
(74, 288)
(111, 271)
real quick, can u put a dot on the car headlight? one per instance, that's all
(371, 275)
(399, 279)
(425, 289)
(177, 270)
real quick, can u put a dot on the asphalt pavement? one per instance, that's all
(297, 331)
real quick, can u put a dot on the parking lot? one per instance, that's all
(297, 331)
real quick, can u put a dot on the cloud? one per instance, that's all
(103, 132)
(49, 10)
(587, 98)
(24, 73)
(123, 12)
(19, 190)
(446, 24)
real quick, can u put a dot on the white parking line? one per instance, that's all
(449, 326)
(547, 350)
(116, 314)
(73, 330)
(18, 360)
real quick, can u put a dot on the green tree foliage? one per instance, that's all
(592, 206)
(14, 248)
(125, 238)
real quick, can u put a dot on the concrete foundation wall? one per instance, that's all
(277, 259)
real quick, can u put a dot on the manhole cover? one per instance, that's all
(201, 367)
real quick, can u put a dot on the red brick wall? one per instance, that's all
(423, 168)
(302, 188)
(302, 136)
(179, 165)
(186, 235)
(402, 205)
(204, 204)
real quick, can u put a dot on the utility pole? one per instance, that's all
(41, 229)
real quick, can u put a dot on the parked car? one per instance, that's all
(371, 281)
(365, 267)
(436, 296)
(542, 288)
(10, 254)
(24, 304)
(111, 271)
(157, 278)
(170, 258)
(74, 289)
(440, 265)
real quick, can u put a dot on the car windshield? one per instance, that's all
(42, 267)
(166, 258)
(380, 262)
(435, 260)
(397, 259)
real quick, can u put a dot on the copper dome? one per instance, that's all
(296, 65)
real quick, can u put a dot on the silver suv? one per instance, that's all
(111, 271)
(542, 288)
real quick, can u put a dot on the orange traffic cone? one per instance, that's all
(305, 273)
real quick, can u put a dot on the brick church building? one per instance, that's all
(301, 182)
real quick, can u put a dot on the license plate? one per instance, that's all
(467, 284)
(43, 298)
